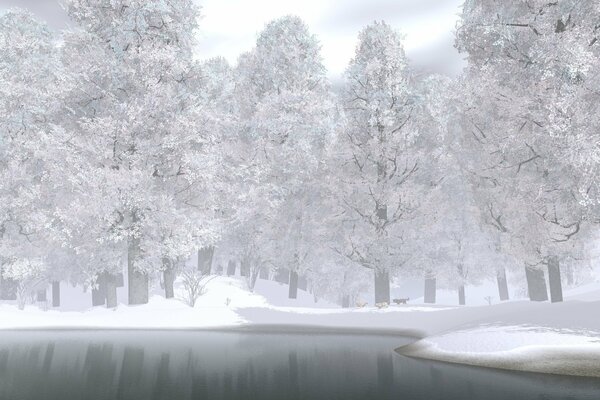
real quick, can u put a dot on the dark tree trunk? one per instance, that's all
(430, 290)
(111, 290)
(556, 294)
(231, 266)
(99, 291)
(293, 292)
(461, 295)
(55, 294)
(205, 258)
(382, 286)
(302, 283)
(536, 284)
(137, 281)
(169, 279)
(502, 284)
(345, 301)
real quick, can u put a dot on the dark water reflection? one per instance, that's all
(216, 365)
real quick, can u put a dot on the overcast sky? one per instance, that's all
(230, 27)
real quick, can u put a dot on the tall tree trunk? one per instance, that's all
(99, 291)
(231, 266)
(382, 286)
(461, 295)
(536, 284)
(55, 294)
(556, 294)
(137, 280)
(205, 259)
(169, 278)
(430, 290)
(111, 290)
(461, 287)
(382, 278)
(346, 301)
(502, 284)
(293, 292)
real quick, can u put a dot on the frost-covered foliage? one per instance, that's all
(120, 149)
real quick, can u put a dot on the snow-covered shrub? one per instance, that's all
(29, 275)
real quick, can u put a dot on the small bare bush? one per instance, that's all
(194, 284)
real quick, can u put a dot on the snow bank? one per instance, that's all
(522, 348)
(216, 308)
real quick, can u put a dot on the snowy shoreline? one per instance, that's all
(516, 335)
(582, 360)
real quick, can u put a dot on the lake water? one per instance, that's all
(147, 365)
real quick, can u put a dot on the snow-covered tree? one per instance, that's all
(30, 82)
(526, 60)
(378, 153)
(287, 122)
(136, 126)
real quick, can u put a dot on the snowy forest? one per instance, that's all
(128, 160)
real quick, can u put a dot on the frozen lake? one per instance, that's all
(248, 365)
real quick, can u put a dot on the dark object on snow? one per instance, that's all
(401, 301)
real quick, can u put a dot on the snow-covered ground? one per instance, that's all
(558, 338)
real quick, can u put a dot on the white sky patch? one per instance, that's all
(230, 27)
